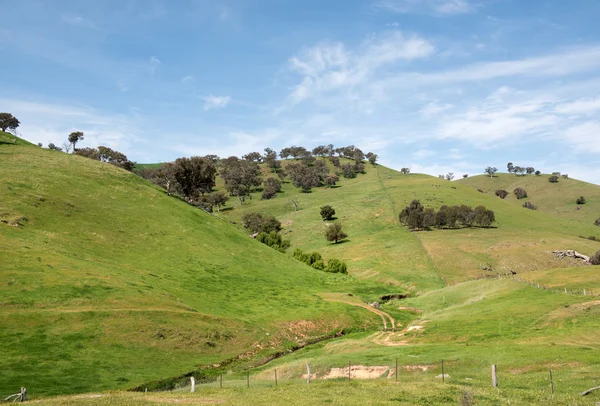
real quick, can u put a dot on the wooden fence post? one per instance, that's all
(443, 375)
(307, 373)
(193, 384)
(551, 385)
(396, 369)
(275, 376)
(494, 377)
(349, 368)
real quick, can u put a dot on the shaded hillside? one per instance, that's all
(557, 199)
(106, 282)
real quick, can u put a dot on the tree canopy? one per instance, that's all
(8, 121)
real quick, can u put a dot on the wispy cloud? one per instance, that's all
(153, 64)
(330, 65)
(188, 79)
(78, 21)
(440, 7)
(215, 102)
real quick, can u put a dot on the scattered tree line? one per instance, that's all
(417, 217)
(521, 170)
(315, 260)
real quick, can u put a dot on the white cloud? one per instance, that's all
(440, 7)
(328, 66)
(215, 102)
(558, 64)
(581, 106)
(78, 21)
(583, 137)
(424, 153)
(434, 109)
(153, 64)
(188, 79)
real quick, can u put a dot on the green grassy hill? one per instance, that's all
(7, 138)
(106, 282)
(380, 249)
(556, 199)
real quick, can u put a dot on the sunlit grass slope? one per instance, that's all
(556, 199)
(106, 282)
(379, 248)
(7, 138)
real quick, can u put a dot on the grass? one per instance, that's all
(109, 283)
(556, 199)
(8, 138)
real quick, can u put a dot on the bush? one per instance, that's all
(520, 193)
(273, 240)
(327, 212)
(597, 222)
(595, 259)
(256, 223)
(553, 179)
(318, 265)
(581, 200)
(336, 266)
(501, 193)
(529, 205)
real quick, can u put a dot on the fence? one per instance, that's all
(580, 291)
(557, 379)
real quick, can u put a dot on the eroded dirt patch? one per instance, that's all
(357, 372)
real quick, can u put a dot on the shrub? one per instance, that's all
(348, 170)
(529, 205)
(327, 212)
(256, 223)
(580, 200)
(538, 173)
(597, 222)
(520, 193)
(318, 265)
(501, 193)
(553, 179)
(336, 266)
(595, 259)
(273, 240)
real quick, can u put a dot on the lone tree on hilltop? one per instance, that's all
(8, 121)
(553, 179)
(75, 137)
(449, 176)
(510, 167)
(334, 233)
(491, 171)
(327, 212)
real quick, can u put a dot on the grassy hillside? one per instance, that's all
(106, 282)
(556, 199)
(7, 138)
(380, 249)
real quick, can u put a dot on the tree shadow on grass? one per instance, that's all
(340, 242)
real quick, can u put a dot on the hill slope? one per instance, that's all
(556, 199)
(106, 282)
(379, 248)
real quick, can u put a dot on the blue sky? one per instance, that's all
(435, 85)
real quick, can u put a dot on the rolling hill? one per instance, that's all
(108, 283)
(557, 199)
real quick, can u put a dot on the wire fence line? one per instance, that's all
(555, 379)
(537, 285)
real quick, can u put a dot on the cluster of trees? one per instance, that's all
(106, 154)
(449, 176)
(315, 260)
(257, 223)
(417, 217)
(521, 170)
(274, 240)
(8, 122)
